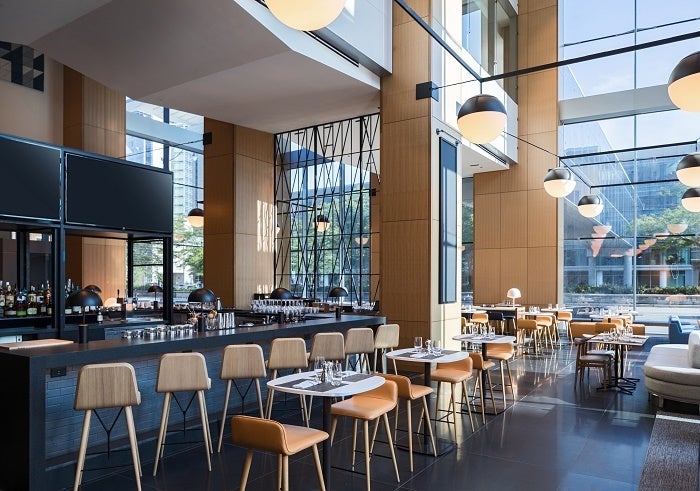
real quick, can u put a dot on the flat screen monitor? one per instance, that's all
(118, 195)
(31, 182)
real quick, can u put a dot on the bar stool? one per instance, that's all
(545, 323)
(241, 361)
(108, 385)
(529, 329)
(359, 341)
(286, 354)
(369, 406)
(502, 352)
(387, 337)
(409, 393)
(565, 317)
(182, 372)
(481, 320)
(457, 372)
(271, 436)
(329, 345)
(481, 365)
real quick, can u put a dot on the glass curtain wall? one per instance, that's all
(643, 250)
(324, 179)
(170, 139)
(467, 241)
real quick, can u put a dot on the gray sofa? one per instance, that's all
(672, 371)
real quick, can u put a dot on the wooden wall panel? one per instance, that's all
(487, 275)
(254, 270)
(514, 273)
(542, 28)
(254, 191)
(514, 224)
(421, 7)
(541, 218)
(487, 221)
(255, 144)
(222, 138)
(515, 178)
(542, 104)
(74, 255)
(487, 182)
(539, 162)
(219, 194)
(219, 274)
(104, 265)
(542, 275)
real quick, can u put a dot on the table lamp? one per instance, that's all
(280, 294)
(513, 293)
(201, 296)
(155, 290)
(83, 298)
(338, 292)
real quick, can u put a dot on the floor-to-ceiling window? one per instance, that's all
(467, 241)
(325, 178)
(170, 139)
(642, 250)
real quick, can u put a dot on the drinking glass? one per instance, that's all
(429, 346)
(418, 344)
(318, 367)
(437, 348)
(337, 375)
(492, 333)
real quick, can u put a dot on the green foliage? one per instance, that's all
(188, 251)
(606, 288)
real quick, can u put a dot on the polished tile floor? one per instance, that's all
(554, 437)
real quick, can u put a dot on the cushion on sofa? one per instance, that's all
(694, 349)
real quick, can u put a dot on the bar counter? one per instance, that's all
(42, 430)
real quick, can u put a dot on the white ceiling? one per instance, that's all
(209, 57)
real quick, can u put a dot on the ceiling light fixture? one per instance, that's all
(322, 223)
(684, 83)
(306, 15)
(650, 242)
(481, 118)
(691, 200)
(590, 206)
(688, 170)
(677, 228)
(196, 217)
(559, 182)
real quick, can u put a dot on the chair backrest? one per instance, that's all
(493, 348)
(527, 324)
(495, 316)
(464, 322)
(619, 322)
(330, 345)
(465, 365)
(287, 353)
(388, 391)
(565, 316)
(106, 385)
(359, 340)
(480, 318)
(604, 327)
(182, 372)
(387, 336)
(242, 361)
(403, 384)
(259, 433)
(578, 329)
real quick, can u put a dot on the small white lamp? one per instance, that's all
(513, 293)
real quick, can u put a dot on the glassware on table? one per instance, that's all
(437, 348)
(337, 374)
(319, 365)
(417, 344)
(491, 333)
(429, 346)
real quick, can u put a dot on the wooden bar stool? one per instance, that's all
(409, 393)
(457, 372)
(545, 322)
(108, 385)
(481, 320)
(271, 436)
(502, 352)
(565, 318)
(369, 406)
(481, 365)
(329, 345)
(359, 341)
(182, 372)
(528, 329)
(387, 337)
(241, 361)
(286, 354)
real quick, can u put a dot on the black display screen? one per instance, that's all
(118, 195)
(31, 183)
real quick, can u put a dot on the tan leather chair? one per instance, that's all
(465, 325)
(410, 392)
(587, 359)
(359, 341)
(286, 354)
(108, 385)
(387, 337)
(284, 440)
(182, 372)
(529, 329)
(369, 406)
(502, 352)
(457, 372)
(546, 323)
(481, 365)
(329, 345)
(565, 317)
(481, 320)
(241, 361)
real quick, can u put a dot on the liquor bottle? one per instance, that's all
(10, 310)
(21, 303)
(48, 300)
(32, 307)
(2, 299)
(40, 305)
(100, 318)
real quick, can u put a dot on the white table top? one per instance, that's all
(636, 340)
(473, 311)
(555, 310)
(348, 389)
(534, 314)
(477, 339)
(405, 355)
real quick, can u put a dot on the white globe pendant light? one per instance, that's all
(677, 228)
(688, 170)
(684, 83)
(481, 118)
(559, 182)
(590, 206)
(306, 15)
(691, 200)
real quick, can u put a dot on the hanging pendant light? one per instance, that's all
(691, 200)
(662, 236)
(322, 223)
(590, 206)
(196, 217)
(650, 242)
(688, 170)
(481, 118)
(677, 228)
(306, 15)
(684, 83)
(559, 182)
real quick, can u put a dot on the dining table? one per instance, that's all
(619, 382)
(307, 384)
(422, 356)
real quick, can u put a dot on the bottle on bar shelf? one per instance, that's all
(48, 299)
(32, 308)
(21, 303)
(40, 305)
(10, 310)
(2, 299)
(67, 291)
